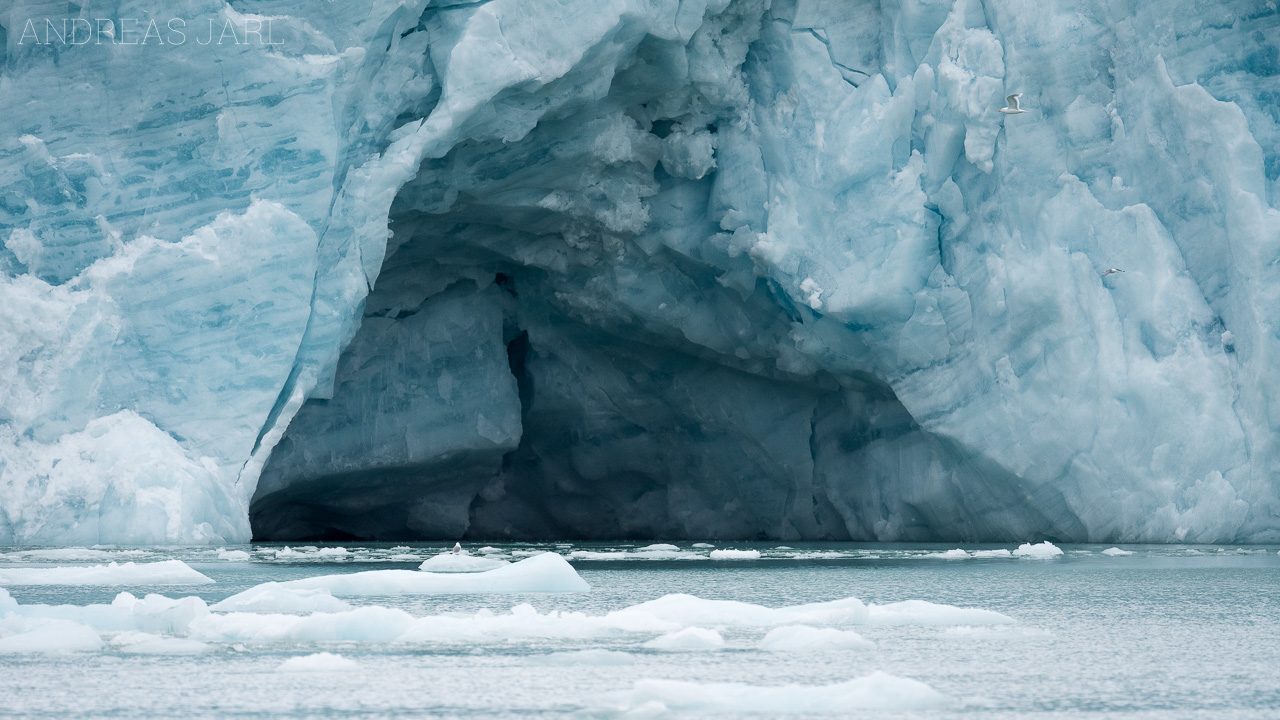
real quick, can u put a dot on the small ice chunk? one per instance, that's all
(802, 638)
(448, 562)
(321, 662)
(1116, 552)
(878, 691)
(703, 545)
(1002, 552)
(593, 658)
(1039, 551)
(690, 639)
(956, 554)
(735, 554)
(658, 546)
(52, 636)
(233, 555)
(487, 550)
(271, 597)
(334, 552)
(166, 572)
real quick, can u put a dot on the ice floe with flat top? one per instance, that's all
(541, 573)
(731, 554)
(956, 554)
(234, 555)
(876, 692)
(165, 572)
(1040, 551)
(803, 638)
(448, 562)
(689, 610)
(1116, 552)
(318, 662)
(691, 639)
(920, 612)
(23, 635)
(271, 597)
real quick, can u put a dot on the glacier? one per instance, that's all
(639, 268)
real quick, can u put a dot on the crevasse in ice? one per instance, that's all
(529, 268)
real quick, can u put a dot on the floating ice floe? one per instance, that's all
(920, 612)
(691, 639)
(702, 545)
(272, 597)
(956, 554)
(71, 554)
(592, 658)
(735, 554)
(1001, 553)
(46, 636)
(688, 610)
(1116, 552)
(1041, 551)
(447, 562)
(802, 638)
(165, 572)
(234, 555)
(542, 573)
(876, 692)
(318, 662)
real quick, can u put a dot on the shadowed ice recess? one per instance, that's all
(528, 269)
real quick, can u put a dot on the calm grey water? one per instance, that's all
(1167, 632)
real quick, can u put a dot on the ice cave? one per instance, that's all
(600, 269)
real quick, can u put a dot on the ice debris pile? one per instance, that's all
(724, 268)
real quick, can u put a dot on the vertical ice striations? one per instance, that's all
(719, 268)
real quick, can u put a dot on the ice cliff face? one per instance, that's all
(535, 268)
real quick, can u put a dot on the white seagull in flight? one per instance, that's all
(1012, 102)
(1111, 271)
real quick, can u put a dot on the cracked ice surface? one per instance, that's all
(656, 269)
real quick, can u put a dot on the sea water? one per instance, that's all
(1163, 632)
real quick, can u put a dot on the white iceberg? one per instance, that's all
(272, 597)
(48, 636)
(1039, 551)
(318, 662)
(875, 692)
(1116, 552)
(447, 562)
(165, 572)
(233, 555)
(735, 554)
(956, 554)
(542, 573)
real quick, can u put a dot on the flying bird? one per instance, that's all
(1012, 103)
(1111, 271)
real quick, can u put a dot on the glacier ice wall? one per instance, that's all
(534, 268)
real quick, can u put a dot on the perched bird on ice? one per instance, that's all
(457, 548)
(1111, 271)
(1012, 103)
